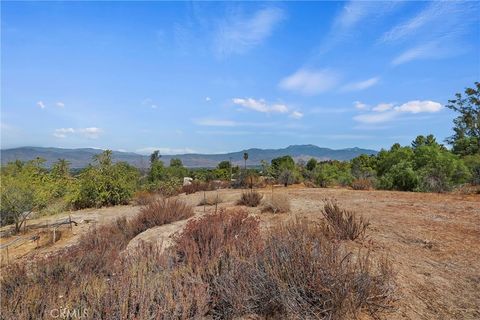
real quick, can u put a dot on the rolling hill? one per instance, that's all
(80, 158)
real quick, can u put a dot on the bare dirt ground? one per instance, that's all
(433, 240)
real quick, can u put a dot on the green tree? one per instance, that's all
(466, 137)
(245, 158)
(311, 164)
(225, 164)
(175, 162)
(105, 184)
(155, 156)
(286, 177)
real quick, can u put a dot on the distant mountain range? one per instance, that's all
(80, 158)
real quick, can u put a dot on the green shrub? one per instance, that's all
(105, 184)
(400, 177)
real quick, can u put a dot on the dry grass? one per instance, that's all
(344, 224)
(251, 198)
(210, 200)
(142, 198)
(362, 184)
(277, 204)
(160, 212)
(220, 267)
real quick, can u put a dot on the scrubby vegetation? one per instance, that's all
(343, 224)
(250, 198)
(219, 267)
(278, 203)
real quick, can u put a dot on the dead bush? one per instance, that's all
(312, 277)
(362, 184)
(278, 203)
(251, 198)
(206, 238)
(342, 223)
(196, 186)
(210, 200)
(142, 198)
(220, 267)
(160, 212)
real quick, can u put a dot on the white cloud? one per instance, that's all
(361, 85)
(212, 122)
(418, 106)
(260, 105)
(353, 16)
(385, 112)
(381, 107)
(164, 150)
(429, 50)
(41, 104)
(215, 122)
(375, 117)
(154, 106)
(296, 115)
(60, 104)
(238, 34)
(360, 105)
(91, 132)
(438, 18)
(434, 32)
(310, 82)
(208, 99)
(63, 132)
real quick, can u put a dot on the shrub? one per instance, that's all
(250, 198)
(160, 212)
(220, 267)
(196, 186)
(400, 176)
(205, 239)
(277, 204)
(142, 198)
(344, 224)
(286, 177)
(105, 184)
(362, 184)
(210, 200)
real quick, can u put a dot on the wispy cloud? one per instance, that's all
(208, 99)
(438, 18)
(149, 103)
(165, 150)
(360, 105)
(310, 82)
(429, 50)
(260, 105)
(214, 122)
(91, 132)
(41, 104)
(62, 132)
(385, 112)
(360, 85)
(434, 32)
(296, 115)
(60, 104)
(353, 16)
(238, 33)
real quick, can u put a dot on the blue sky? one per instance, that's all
(214, 77)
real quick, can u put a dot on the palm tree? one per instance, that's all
(245, 157)
(155, 156)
